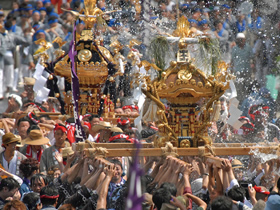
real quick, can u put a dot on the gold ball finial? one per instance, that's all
(111, 79)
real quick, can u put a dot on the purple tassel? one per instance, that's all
(134, 199)
(80, 134)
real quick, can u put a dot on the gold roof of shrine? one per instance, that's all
(182, 83)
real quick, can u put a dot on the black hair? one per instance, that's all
(70, 120)
(23, 119)
(45, 116)
(31, 200)
(28, 166)
(76, 4)
(93, 116)
(169, 187)
(146, 180)
(147, 132)
(221, 203)
(52, 18)
(38, 177)
(278, 183)
(161, 196)
(237, 193)
(49, 9)
(217, 22)
(67, 27)
(11, 16)
(8, 24)
(48, 191)
(32, 127)
(10, 183)
(116, 162)
(62, 125)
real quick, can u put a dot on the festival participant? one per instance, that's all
(116, 185)
(10, 158)
(53, 28)
(123, 123)
(22, 126)
(52, 155)
(223, 36)
(242, 55)
(205, 28)
(49, 196)
(263, 128)
(273, 201)
(28, 94)
(14, 204)
(37, 182)
(93, 120)
(221, 203)
(39, 34)
(8, 188)
(2, 53)
(105, 130)
(14, 104)
(12, 40)
(240, 24)
(36, 16)
(32, 201)
(35, 144)
(131, 110)
(87, 127)
(54, 172)
(28, 168)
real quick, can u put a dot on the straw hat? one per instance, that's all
(102, 125)
(28, 81)
(168, 206)
(116, 129)
(9, 138)
(237, 164)
(67, 151)
(36, 137)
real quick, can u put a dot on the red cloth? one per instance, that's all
(259, 190)
(118, 137)
(131, 107)
(123, 122)
(188, 190)
(29, 153)
(71, 134)
(87, 124)
(59, 127)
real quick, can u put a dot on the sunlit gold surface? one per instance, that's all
(84, 55)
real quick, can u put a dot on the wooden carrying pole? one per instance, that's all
(191, 151)
(149, 145)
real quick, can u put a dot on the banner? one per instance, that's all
(80, 134)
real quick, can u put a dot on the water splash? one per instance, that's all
(263, 157)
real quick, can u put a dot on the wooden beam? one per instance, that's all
(149, 145)
(243, 144)
(121, 145)
(192, 151)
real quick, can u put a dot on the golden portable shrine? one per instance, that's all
(192, 94)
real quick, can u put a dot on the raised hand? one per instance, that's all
(58, 157)
(109, 170)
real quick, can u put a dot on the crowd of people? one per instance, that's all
(39, 165)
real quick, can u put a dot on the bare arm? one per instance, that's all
(102, 189)
(219, 184)
(197, 200)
